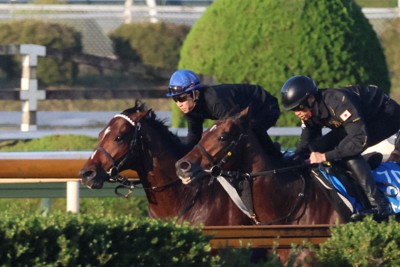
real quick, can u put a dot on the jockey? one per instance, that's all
(199, 102)
(358, 116)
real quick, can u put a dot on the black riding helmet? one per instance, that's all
(296, 90)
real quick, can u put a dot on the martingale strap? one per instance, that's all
(236, 199)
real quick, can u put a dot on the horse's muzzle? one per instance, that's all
(90, 178)
(187, 172)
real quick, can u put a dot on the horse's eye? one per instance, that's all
(223, 138)
(119, 138)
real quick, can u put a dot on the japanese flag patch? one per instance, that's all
(345, 115)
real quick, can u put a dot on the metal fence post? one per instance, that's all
(29, 93)
(73, 196)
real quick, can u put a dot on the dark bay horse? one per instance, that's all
(395, 155)
(287, 197)
(136, 139)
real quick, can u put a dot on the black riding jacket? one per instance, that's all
(349, 108)
(219, 101)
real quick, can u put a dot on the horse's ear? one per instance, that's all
(138, 103)
(245, 112)
(243, 116)
(150, 114)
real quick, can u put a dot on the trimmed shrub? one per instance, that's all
(79, 240)
(365, 243)
(49, 70)
(390, 39)
(268, 41)
(154, 44)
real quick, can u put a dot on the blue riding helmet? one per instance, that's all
(183, 81)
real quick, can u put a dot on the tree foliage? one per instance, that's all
(49, 70)
(155, 44)
(365, 243)
(268, 41)
(390, 39)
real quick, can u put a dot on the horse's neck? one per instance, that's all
(161, 149)
(160, 157)
(256, 158)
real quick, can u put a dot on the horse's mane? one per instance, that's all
(173, 140)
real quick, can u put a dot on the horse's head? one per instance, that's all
(117, 142)
(217, 150)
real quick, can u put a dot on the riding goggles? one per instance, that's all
(301, 106)
(180, 98)
(176, 90)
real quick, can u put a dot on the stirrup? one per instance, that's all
(376, 213)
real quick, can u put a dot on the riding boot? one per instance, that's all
(362, 174)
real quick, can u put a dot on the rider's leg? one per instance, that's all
(362, 174)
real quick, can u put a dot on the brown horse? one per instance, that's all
(395, 155)
(281, 194)
(136, 139)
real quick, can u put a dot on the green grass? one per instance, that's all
(377, 3)
(51, 143)
(112, 206)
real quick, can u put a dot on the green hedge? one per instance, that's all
(366, 243)
(98, 240)
(49, 71)
(154, 44)
(268, 41)
(390, 38)
(71, 240)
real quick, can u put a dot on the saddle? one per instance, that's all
(346, 195)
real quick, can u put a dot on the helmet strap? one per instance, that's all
(195, 95)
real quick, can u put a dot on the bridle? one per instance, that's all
(217, 167)
(117, 165)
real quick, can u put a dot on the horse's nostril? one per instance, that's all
(185, 166)
(87, 174)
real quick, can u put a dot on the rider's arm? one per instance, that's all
(356, 139)
(309, 132)
(353, 144)
(195, 130)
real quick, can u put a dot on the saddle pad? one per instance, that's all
(387, 177)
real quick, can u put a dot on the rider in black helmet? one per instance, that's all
(358, 116)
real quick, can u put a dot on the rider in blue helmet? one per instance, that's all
(199, 102)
